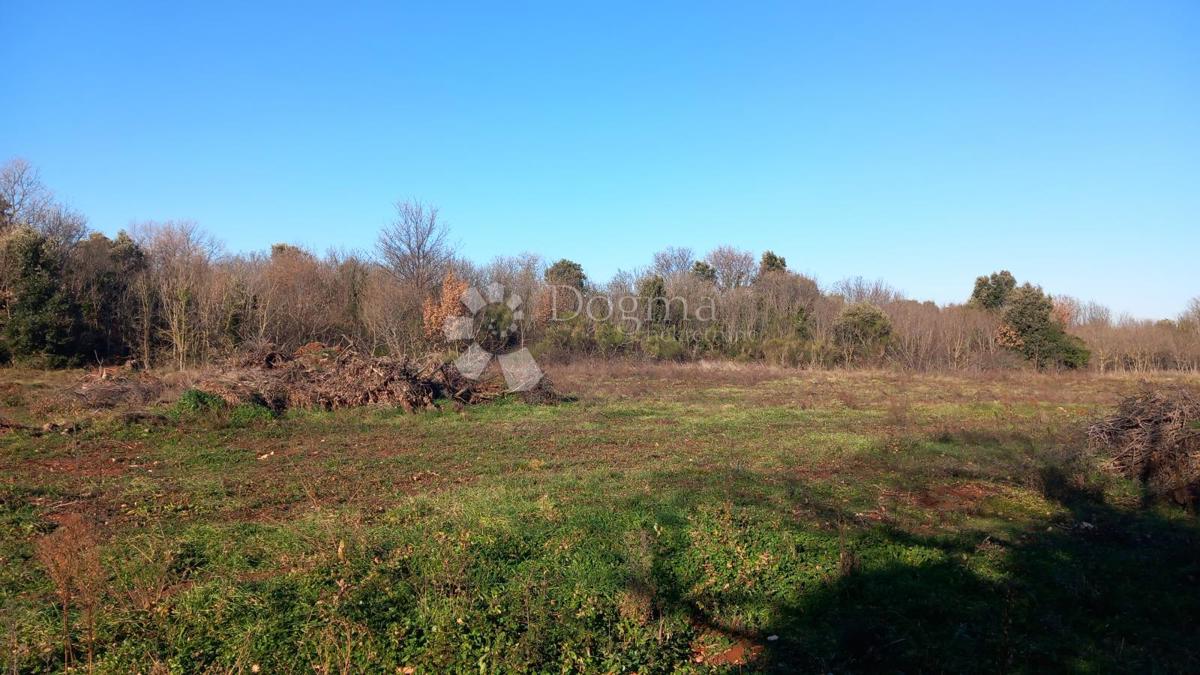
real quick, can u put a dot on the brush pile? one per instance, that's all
(314, 376)
(1154, 437)
(319, 378)
(113, 387)
(328, 378)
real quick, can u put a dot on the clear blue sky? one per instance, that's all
(924, 143)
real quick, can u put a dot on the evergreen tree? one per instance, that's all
(771, 263)
(991, 292)
(1030, 328)
(704, 272)
(41, 323)
(653, 292)
(566, 273)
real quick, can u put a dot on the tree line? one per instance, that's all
(166, 294)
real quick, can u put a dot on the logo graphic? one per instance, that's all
(492, 328)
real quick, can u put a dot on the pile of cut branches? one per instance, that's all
(326, 378)
(1154, 437)
(316, 376)
(112, 387)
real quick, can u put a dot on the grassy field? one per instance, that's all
(673, 518)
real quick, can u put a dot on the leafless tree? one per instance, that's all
(1095, 314)
(180, 256)
(414, 246)
(27, 201)
(391, 315)
(22, 190)
(63, 226)
(735, 267)
(1191, 316)
(876, 292)
(522, 275)
(673, 261)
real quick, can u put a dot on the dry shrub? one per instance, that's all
(1155, 437)
(434, 313)
(71, 556)
(544, 393)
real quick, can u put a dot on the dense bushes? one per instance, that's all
(1030, 329)
(862, 332)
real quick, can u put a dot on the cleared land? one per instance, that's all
(673, 518)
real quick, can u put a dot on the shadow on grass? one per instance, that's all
(1106, 589)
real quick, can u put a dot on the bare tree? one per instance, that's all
(63, 226)
(876, 292)
(673, 261)
(391, 314)
(1191, 316)
(521, 275)
(22, 190)
(180, 268)
(27, 201)
(1095, 314)
(414, 246)
(735, 267)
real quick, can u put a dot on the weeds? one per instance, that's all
(71, 557)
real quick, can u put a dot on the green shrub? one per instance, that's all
(663, 347)
(784, 351)
(565, 339)
(611, 339)
(1072, 352)
(194, 401)
(862, 331)
(249, 413)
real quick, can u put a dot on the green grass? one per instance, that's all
(617, 534)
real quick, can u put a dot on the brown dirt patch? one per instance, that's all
(742, 652)
(957, 497)
(84, 467)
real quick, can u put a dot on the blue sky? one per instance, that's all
(923, 143)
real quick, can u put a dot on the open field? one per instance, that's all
(672, 518)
